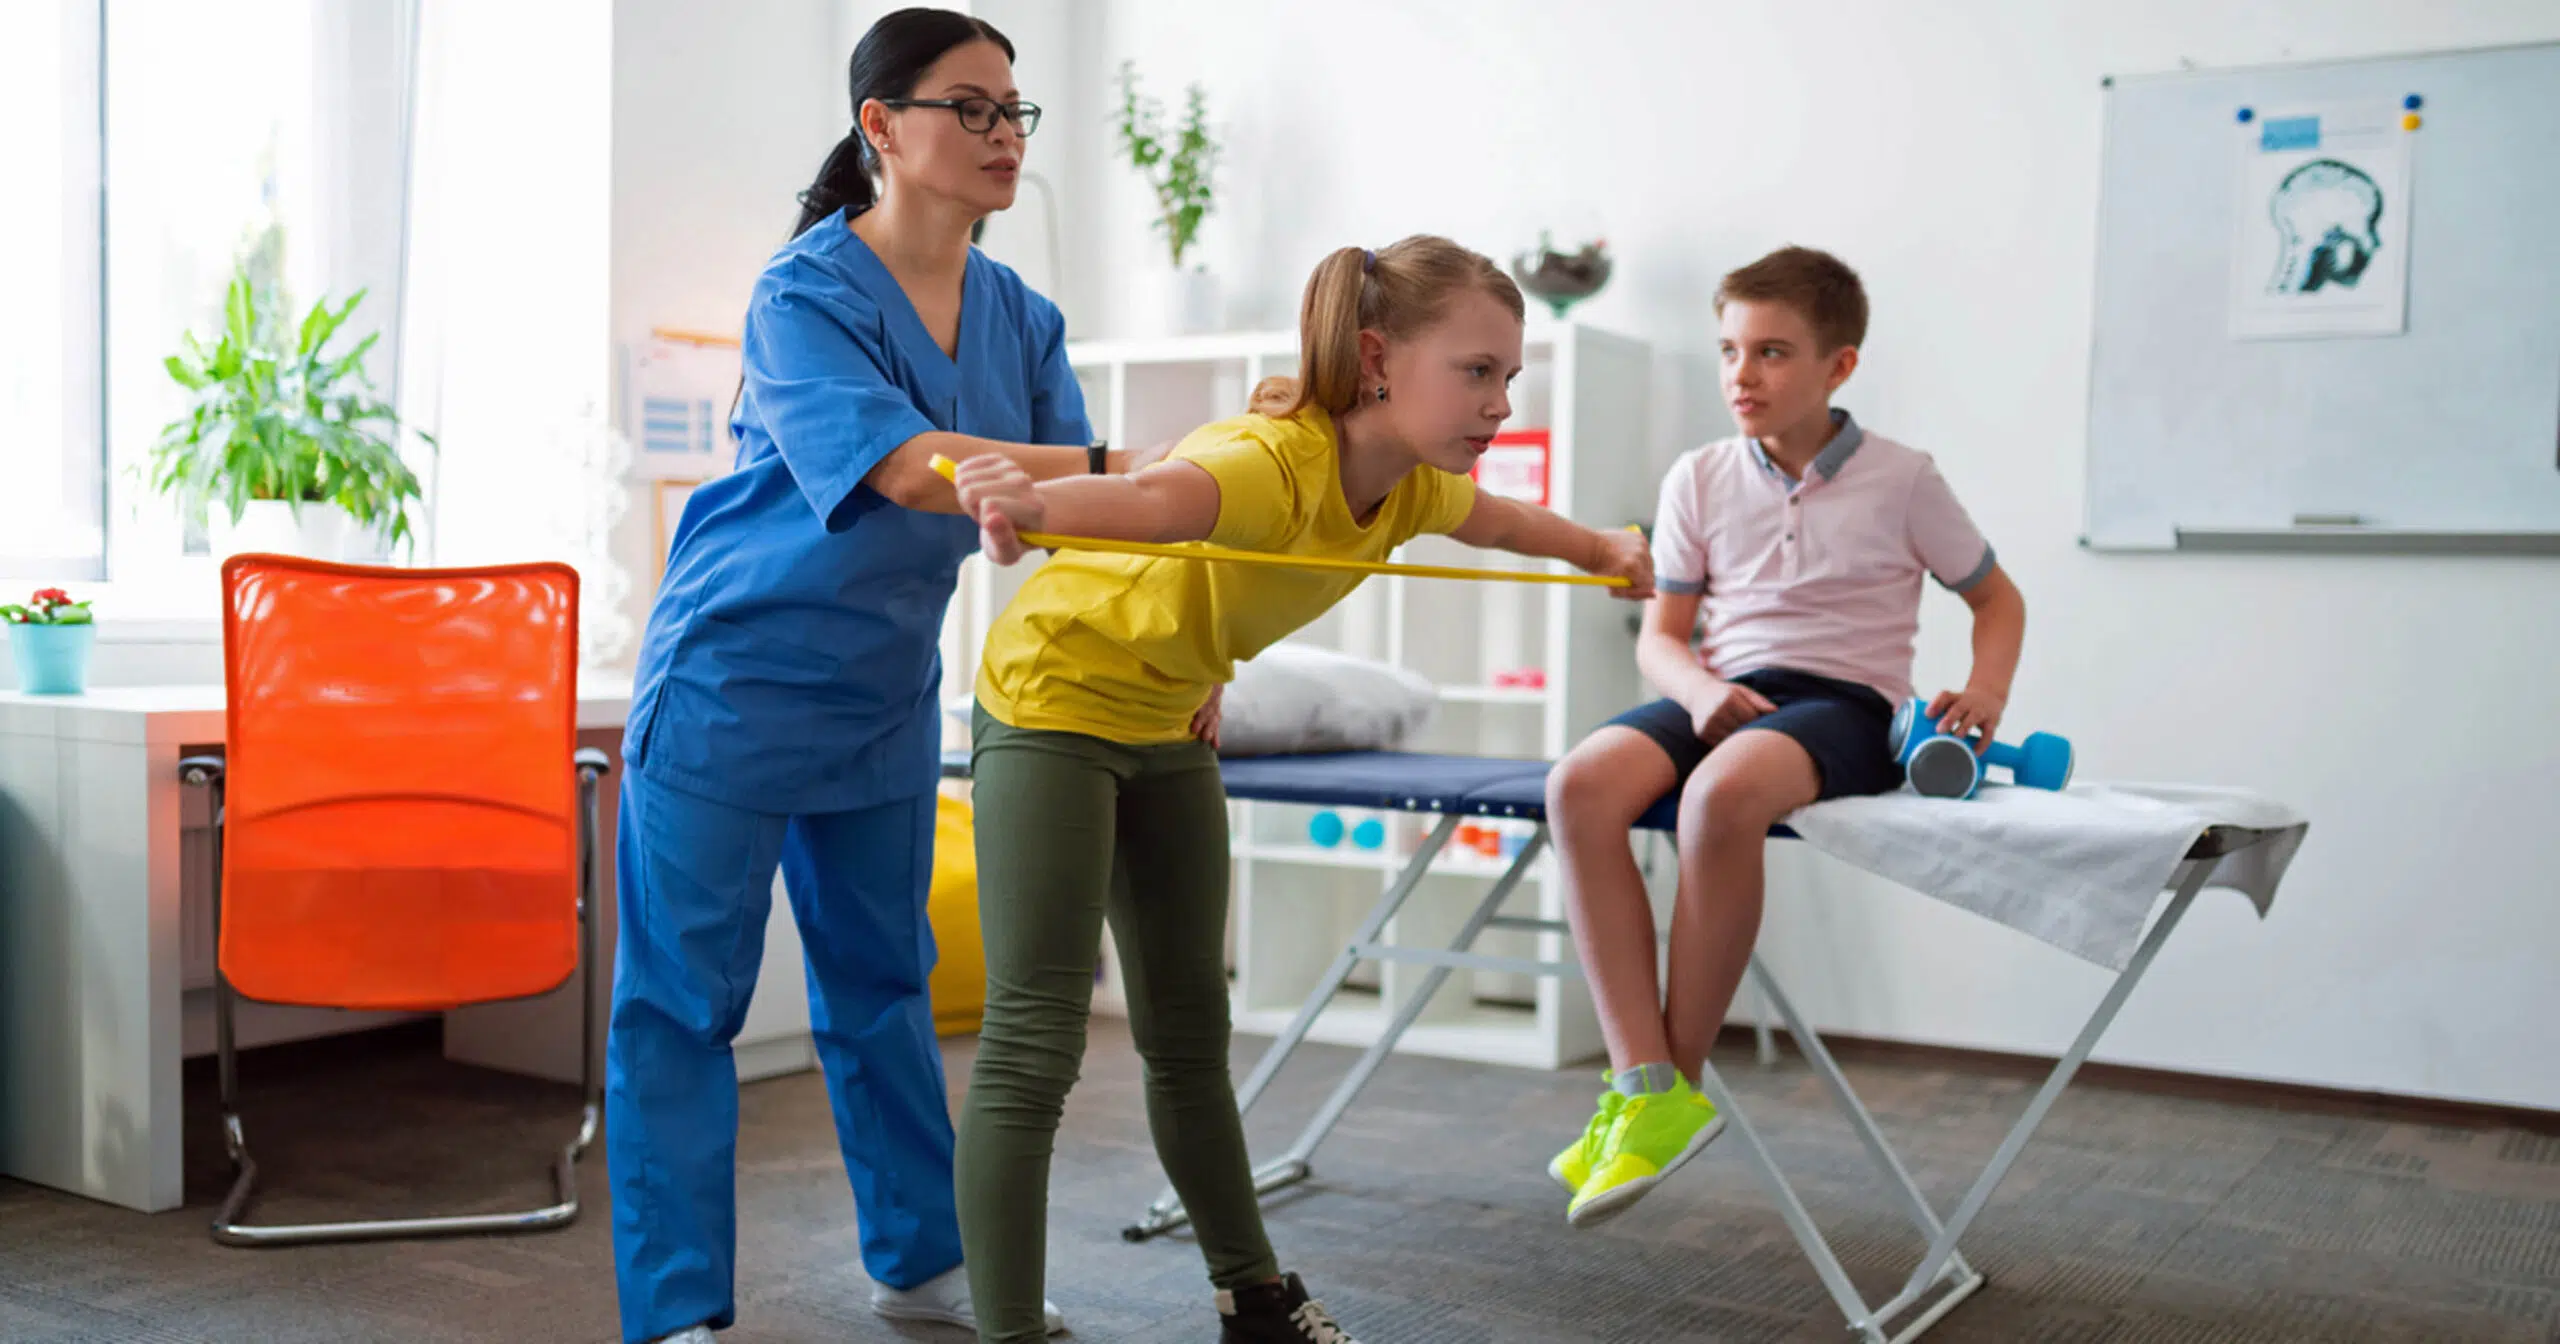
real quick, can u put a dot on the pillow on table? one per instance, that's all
(1295, 698)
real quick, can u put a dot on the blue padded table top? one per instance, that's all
(1399, 781)
(1393, 780)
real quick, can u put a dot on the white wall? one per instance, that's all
(721, 115)
(1950, 151)
(1041, 234)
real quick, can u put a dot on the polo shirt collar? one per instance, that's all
(1845, 438)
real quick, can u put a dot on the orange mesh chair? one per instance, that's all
(402, 818)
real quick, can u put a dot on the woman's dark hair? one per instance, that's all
(886, 64)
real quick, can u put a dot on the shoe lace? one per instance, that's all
(1631, 1115)
(1316, 1325)
(1611, 1103)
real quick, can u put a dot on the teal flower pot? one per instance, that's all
(52, 659)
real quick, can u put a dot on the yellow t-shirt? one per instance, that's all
(1126, 647)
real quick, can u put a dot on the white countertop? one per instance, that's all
(192, 713)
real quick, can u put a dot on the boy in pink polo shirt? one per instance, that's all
(1802, 544)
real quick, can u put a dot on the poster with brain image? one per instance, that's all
(2320, 244)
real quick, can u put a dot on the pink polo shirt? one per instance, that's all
(1820, 576)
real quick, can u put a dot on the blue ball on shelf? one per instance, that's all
(1325, 828)
(1370, 834)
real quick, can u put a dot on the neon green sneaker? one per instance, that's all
(1653, 1135)
(1573, 1166)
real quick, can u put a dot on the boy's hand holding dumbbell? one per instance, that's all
(1971, 713)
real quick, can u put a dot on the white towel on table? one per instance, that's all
(2079, 869)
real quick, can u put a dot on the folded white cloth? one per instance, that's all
(2079, 869)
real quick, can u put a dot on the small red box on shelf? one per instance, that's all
(1515, 467)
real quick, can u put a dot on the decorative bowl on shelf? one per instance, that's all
(1560, 278)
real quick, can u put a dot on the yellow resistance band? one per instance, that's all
(1201, 550)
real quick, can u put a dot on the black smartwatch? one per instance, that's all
(1097, 457)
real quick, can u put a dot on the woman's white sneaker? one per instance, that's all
(945, 1299)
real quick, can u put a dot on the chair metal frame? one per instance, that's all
(228, 1227)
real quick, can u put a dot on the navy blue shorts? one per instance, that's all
(1845, 727)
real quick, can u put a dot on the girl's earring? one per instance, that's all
(1382, 391)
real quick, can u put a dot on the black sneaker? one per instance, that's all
(1275, 1313)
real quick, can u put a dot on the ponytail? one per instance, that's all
(844, 183)
(1340, 301)
(1275, 396)
(1397, 291)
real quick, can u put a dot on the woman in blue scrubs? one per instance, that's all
(786, 709)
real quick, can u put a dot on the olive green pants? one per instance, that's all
(1073, 830)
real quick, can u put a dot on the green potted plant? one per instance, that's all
(290, 439)
(1178, 164)
(50, 637)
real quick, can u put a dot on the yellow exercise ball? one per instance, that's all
(958, 986)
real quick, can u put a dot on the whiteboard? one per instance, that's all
(2211, 424)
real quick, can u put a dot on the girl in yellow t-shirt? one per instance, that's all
(1097, 781)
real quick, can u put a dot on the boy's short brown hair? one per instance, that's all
(1814, 283)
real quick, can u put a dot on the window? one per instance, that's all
(432, 156)
(257, 134)
(171, 143)
(52, 479)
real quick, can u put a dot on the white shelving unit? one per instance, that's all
(1297, 903)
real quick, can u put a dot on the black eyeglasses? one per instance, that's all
(978, 115)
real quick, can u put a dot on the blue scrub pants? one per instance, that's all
(694, 885)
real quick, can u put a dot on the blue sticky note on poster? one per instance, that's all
(667, 426)
(2282, 133)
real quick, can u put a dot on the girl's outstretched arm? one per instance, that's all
(1526, 529)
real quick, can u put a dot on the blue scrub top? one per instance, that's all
(792, 662)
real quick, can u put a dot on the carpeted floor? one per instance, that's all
(2133, 1218)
